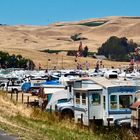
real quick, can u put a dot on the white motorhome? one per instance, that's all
(57, 97)
(66, 108)
(103, 99)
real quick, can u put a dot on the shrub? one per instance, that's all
(72, 52)
(77, 37)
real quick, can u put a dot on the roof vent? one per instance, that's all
(111, 75)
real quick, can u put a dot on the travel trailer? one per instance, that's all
(57, 97)
(46, 92)
(103, 100)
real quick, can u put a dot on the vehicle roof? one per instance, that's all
(112, 82)
(91, 87)
(105, 82)
(52, 86)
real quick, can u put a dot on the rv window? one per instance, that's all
(125, 101)
(113, 102)
(104, 101)
(83, 98)
(77, 84)
(113, 76)
(49, 96)
(87, 82)
(95, 99)
(62, 100)
(135, 99)
(77, 98)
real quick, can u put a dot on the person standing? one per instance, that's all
(97, 66)
(87, 65)
(39, 66)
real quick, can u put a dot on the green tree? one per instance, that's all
(85, 51)
(10, 61)
(118, 49)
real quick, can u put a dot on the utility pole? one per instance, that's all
(48, 62)
(62, 61)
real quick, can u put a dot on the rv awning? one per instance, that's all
(135, 105)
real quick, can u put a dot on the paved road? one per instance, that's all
(4, 136)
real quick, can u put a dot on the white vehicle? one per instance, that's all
(12, 85)
(103, 100)
(56, 98)
(65, 108)
(46, 93)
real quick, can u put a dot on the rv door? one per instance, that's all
(95, 104)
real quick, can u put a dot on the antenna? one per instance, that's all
(125, 74)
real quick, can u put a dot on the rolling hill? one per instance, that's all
(29, 41)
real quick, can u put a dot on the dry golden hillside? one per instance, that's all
(30, 40)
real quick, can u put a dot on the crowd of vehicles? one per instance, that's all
(102, 98)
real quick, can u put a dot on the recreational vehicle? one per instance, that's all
(57, 97)
(66, 108)
(105, 100)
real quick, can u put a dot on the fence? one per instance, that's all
(24, 98)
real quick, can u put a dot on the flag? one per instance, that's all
(132, 61)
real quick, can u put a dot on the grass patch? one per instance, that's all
(90, 54)
(59, 25)
(53, 51)
(42, 126)
(47, 126)
(92, 24)
(39, 125)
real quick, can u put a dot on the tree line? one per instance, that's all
(15, 61)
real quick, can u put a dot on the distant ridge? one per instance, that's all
(29, 40)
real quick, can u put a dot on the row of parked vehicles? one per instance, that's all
(104, 100)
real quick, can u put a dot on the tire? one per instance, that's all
(67, 113)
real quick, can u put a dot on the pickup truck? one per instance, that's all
(13, 87)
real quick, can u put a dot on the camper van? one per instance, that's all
(103, 100)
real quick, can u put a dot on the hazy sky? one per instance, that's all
(43, 12)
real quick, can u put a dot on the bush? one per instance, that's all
(77, 37)
(52, 51)
(72, 52)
